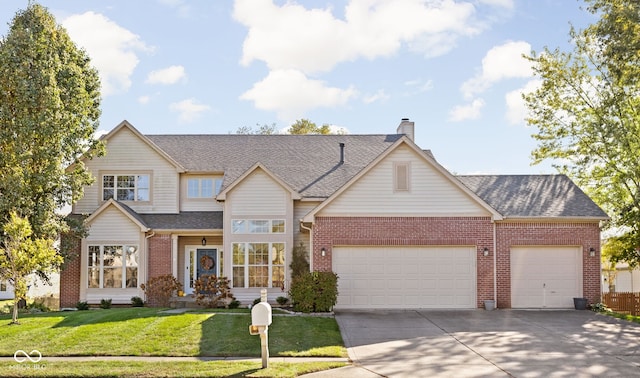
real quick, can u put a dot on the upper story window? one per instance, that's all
(401, 177)
(203, 187)
(126, 187)
(257, 226)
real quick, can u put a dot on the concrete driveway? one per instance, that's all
(478, 343)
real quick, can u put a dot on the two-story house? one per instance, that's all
(398, 228)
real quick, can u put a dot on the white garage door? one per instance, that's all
(405, 277)
(545, 277)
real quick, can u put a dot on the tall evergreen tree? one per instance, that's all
(49, 109)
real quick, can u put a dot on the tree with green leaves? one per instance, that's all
(49, 110)
(587, 115)
(22, 255)
(304, 126)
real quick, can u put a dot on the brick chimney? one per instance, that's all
(406, 127)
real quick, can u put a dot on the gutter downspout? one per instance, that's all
(146, 268)
(495, 268)
(310, 244)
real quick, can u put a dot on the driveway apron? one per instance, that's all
(499, 343)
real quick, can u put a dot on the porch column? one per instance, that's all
(174, 255)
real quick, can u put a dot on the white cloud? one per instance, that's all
(189, 110)
(516, 108)
(465, 112)
(290, 93)
(113, 49)
(290, 36)
(500, 62)
(169, 75)
(507, 4)
(144, 100)
(380, 95)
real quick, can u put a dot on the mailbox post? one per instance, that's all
(260, 322)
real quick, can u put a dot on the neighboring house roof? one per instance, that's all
(309, 164)
(534, 196)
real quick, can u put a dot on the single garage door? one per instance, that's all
(405, 277)
(545, 277)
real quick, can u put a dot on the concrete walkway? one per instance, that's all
(478, 343)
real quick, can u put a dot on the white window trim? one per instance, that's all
(101, 267)
(241, 226)
(246, 265)
(126, 173)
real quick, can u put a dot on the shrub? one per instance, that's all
(160, 289)
(256, 301)
(38, 306)
(82, 306)
(282, 300)
(212, 291)
(314, 292)
(234, 304)
(137, 302)
(299, 261)
(105, 303)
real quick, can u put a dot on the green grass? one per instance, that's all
(150, 332)
(631, 318)
(163, 369)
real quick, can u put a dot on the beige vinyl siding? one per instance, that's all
(129, 154)
(113, 225)
(299, 235)
(258, 194)
(197, 204)
(429, 192)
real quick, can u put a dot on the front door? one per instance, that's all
(199, 262)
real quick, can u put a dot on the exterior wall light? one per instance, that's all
(592, 252)
(323, 252)
(485, 251)
(204, 241)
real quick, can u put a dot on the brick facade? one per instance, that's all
(159, 257)
(70, 277)
(329, 232)
(412, 231)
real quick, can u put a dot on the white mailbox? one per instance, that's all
(261, 314)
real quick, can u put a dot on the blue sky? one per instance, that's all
(454, 67)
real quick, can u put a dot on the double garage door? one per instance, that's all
(405, 277)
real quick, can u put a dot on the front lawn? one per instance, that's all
(145, 331)
(163, 369)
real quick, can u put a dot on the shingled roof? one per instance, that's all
(527, 196)
(309, 164)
